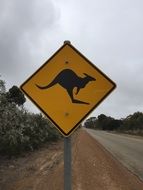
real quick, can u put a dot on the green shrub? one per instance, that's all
(20, 130)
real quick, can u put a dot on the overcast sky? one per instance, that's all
(108, 32)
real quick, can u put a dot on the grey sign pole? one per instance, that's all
(67, 164)
(67, 158)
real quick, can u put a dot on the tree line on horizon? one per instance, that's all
(132, 124)
(21, 130)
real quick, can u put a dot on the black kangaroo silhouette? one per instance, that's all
(68, 79)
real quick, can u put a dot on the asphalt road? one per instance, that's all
(126, 148)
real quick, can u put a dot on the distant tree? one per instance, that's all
(104, 122)
(101, 121)
(15, 95)
(90, 123)
(113, 124)
(133, 122)
(2, 87)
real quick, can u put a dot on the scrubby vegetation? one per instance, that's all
(21, 130)
(132, 124)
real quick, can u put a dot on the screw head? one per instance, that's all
(66, 114)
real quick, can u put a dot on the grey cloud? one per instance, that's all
(22, 24)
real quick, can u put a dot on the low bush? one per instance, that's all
(21, 130)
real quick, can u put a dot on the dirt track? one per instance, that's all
(93, 169)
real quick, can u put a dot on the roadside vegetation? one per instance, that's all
(20, 130)
(132, 124)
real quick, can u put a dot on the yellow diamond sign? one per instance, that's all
(67, 87)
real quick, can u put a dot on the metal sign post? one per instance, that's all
(67, 164)
(80, 85)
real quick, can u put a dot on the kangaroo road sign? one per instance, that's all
(67, 87)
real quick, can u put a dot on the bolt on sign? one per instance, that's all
(67, 87)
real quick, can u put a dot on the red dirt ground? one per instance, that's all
(94, 168)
